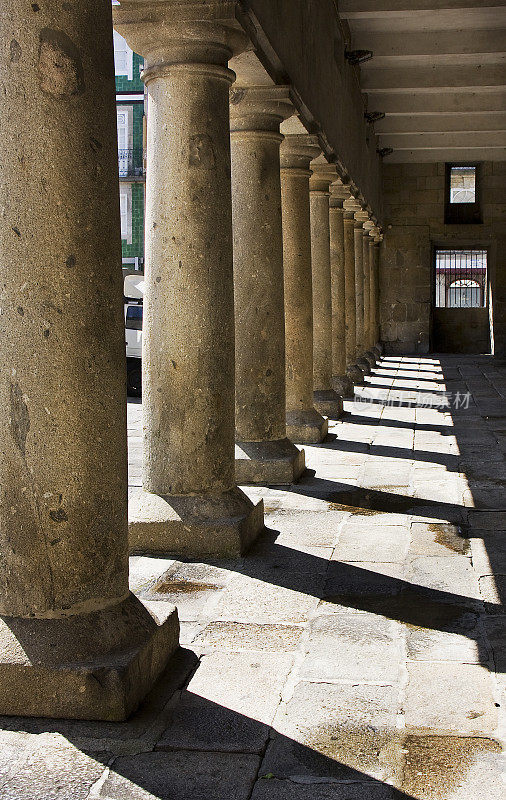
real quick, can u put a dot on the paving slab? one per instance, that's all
(450, 698)
(287, 790)
(180, 776)
(334, 731)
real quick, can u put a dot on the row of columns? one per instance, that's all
(260, 303)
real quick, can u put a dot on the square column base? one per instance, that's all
(364, 365)
(306, 427)
(371, 358)
(343, 385)
(378, 349)
(96, 666)
(276, 463)
(355, 374)
(328, 403)
(194, 526)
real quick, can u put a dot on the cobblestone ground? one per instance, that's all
(356, 653)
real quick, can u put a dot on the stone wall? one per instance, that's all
(413, 198)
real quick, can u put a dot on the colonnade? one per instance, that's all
(260, 313)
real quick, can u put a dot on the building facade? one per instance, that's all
(130, 113)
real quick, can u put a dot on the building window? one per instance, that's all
(463, 201)
(123, 57)
(125, 207)
(461, 278)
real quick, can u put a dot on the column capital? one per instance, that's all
(339, 194)
(322, 175)
(180, 31)
(298, 150)
(361, 217)
(259, 108)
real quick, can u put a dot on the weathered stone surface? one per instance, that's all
(187, 776)
(335, 732)
(47, 766)
(271, 462)
(288, 790)
(249, 636)
(352, 647)
(383, 543)
(450, 698)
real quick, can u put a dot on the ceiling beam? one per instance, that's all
(438, 78)
(440, 123)
(431, 141)
(438, 102)
(432, 47)
(350, 9)
(466, 154)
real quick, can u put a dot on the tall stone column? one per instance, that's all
(73, 641)
(190, 504)
(325, 399)
(342, 382)
(368, 354)
(374, 244)
(304, 423)
(263, 452)
(354, 372)
(360, 218)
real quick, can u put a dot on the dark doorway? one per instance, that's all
(460, 316)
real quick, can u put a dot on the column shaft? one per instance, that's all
(304, 423)
(353, 371)
(190, 504)
(263, 452)
(359, 288)
(326, 401)
(67, 615)
(341, 381)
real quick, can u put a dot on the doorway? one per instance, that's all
(460, 315)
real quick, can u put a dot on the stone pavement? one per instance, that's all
(357, 653)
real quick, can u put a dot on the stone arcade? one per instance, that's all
(298, 190)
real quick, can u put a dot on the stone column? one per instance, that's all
(325, 399)
(263, 452)
(73, 641)
(368, 354)
(360, 218)
(190, 504)
(375, 243)
(304, 423)
(354, 372)
(342, 382)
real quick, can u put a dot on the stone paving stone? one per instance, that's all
(450, 698)
(229, 636)
(385, 543)
(229, 703)
(352, 647)
(456, 635)
(359, 586)
(487, 520)
(144, 570)
(452, 768)
(287, 790)
(253, 600)
(489, 553)
(46, 767)
(495, 628)
(493, 592)
(192, 587)
(437, 539)
(307, 528)
(333, 731)
(451, 573)
(180, 776)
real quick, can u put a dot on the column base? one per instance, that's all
(306, 427)
(276, 463)
(96, 666)
(355, 374)
(370, 356)
(364, 365)
(378, 349)
(194, 526)
(329, 403)
(343, 385)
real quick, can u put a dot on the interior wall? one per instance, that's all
(413, 202)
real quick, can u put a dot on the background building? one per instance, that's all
(130, 110)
